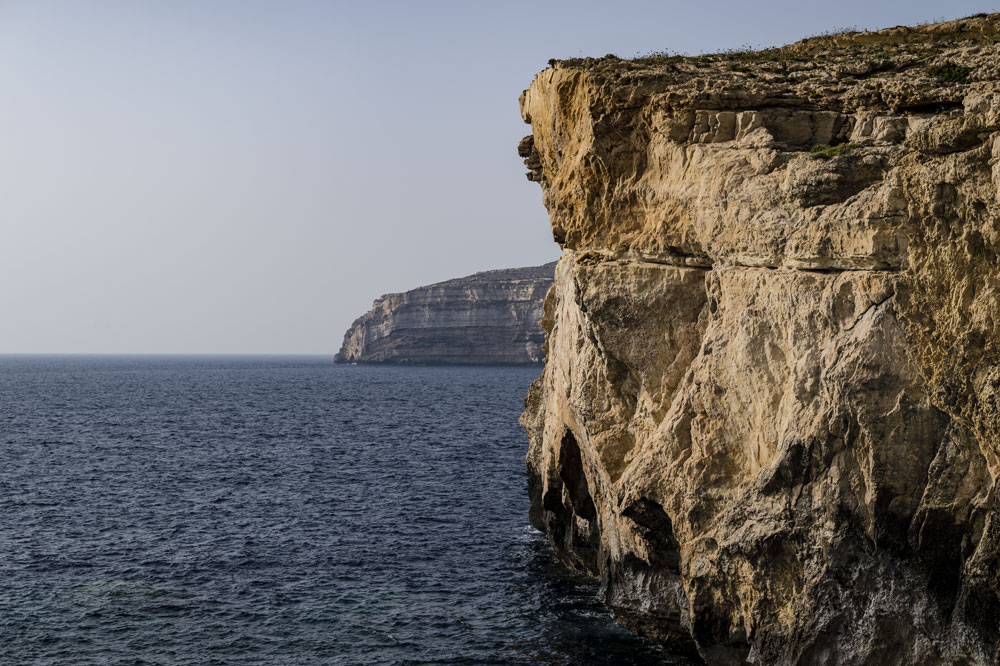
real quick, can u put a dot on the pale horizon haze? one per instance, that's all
(247, 176)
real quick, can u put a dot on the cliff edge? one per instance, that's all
(489, 317)
(768, 421)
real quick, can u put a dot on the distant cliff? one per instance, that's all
(489, 317)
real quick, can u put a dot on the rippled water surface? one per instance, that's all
(278, 511)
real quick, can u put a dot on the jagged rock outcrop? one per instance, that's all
(768, 420)
(489, 317)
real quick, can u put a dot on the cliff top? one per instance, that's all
(544, 271)
(849, 69)
(496, 276)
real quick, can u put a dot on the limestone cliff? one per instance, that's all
(768, 420)
(489, 317)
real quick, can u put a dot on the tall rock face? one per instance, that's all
(768, 419)
(489, 317)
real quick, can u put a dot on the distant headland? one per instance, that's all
(489, 317)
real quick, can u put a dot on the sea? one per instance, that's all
(279, 510)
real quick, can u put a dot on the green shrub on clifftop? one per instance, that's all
(950, 73)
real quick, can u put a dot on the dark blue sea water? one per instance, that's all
(278, 511)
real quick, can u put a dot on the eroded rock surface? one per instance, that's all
(768, 420)
(489, 317)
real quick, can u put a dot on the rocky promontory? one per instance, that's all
(488, 317)
(769, 420)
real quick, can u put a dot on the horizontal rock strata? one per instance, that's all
(489, 317)
(768, 420)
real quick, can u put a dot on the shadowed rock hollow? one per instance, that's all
(768, 420)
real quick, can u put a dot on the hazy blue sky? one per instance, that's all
(247, 176)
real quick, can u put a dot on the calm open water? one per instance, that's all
(278, 511)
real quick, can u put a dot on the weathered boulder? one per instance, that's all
(768, 420)
(488, 317)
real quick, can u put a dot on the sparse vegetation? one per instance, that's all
(950, 73)
(836, 32)
(924, 54)
(748, 55)
(824, 151)
(659, 58)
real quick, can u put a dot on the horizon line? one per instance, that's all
(217, 354)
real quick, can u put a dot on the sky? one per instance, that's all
(246, 176)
